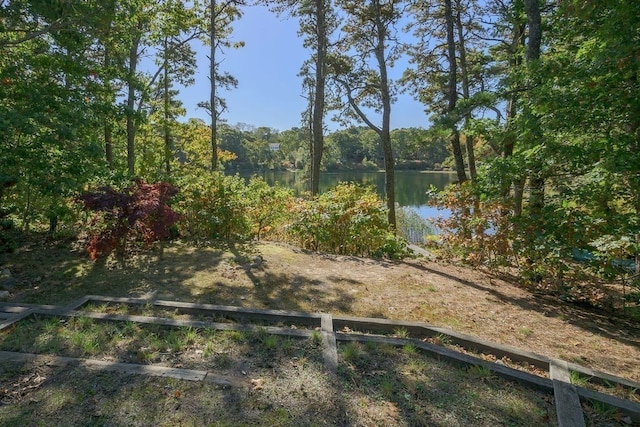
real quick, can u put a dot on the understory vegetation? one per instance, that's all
(533, 103)
(349, 219)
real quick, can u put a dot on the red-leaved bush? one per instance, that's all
(138, 213)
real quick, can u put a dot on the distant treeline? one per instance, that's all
(260, 148)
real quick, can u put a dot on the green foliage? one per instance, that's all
(212, 206)
(349, 219)
(266, 205)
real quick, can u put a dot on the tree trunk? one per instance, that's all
(385, 134)
(537, 182)
(167, 135)
(518, 183)
(131, 99)
(534, 21)
(212, 99)
(464, 72)
(317, 125)
(108, 143)
(108, 137)
(452, 93)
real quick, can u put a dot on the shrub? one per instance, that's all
(266, 206)
(139, 213)
(213, 206)
(476, 231)
(350, 219)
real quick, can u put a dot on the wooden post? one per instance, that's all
(566, 396)
(329, 346)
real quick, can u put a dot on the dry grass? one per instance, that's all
(465, 300)
(469, 301)
(277, 381)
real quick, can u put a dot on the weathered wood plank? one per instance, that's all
(15, 318)
(329, 345)
(11, 309)
(529, 380)
(627, 407)
(566, 397)
(423, 330)
(295, 333)
(365, 324)
(603, 377)
(123, 300)
(295, 317)
(498, 350)
(75, 304)
(20, 307)
(101, 365)
(328, 326)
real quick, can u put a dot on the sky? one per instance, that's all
(267, 67)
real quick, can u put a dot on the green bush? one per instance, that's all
(266, 206)
(350, 219)
(212, 205)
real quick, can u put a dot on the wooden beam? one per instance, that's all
(101, 365)
(329, 345)
(602, 377)
(423, 330)
(566, 396)
(295, 317)
(15, 318)
(627, 407)
(529, 380)
(161, 321)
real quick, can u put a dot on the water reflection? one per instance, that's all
(411, 186)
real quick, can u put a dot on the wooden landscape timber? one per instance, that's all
(333, 329)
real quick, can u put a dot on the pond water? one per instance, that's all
(411, 186)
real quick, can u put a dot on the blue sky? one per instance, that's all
(269, 90)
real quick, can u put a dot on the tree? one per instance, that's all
(167, 27)
(48, 105)
(177, 28)
(588, 103)
(318, 21)
(435, 77)
(360, 70)
(221, 16)
(319, 25)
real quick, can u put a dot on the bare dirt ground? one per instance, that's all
(276, 276)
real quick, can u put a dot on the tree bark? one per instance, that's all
(212, 98)
(131, 100)
(518, 182)
(452, 92)
(537, 181)
(464, 73)
(167, 134)
(385, 131)
(108, 137)
(317, 125)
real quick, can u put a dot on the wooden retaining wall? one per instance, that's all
(333, 329)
